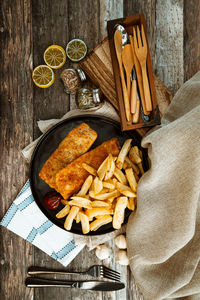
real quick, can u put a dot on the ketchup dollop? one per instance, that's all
(52, 200)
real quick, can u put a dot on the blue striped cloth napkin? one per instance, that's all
(25, 219)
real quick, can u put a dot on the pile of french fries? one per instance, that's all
(106, 192)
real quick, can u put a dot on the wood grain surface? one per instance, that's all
(27, 28)
(16, 114)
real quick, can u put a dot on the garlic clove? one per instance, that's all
(103, 251)
(120, 241)
(122, 257)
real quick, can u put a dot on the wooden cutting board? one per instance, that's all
(98, 67)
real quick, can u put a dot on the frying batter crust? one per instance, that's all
(77, 142)
(70, 179)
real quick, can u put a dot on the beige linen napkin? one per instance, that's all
(164, 234)
(106, 110)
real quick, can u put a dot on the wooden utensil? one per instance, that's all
(118, 48)
(139, 77)
(141, 53)
(128, 62)
(137, 113)
(127, 59)
(133, 96)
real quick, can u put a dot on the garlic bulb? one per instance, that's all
(120, 241)
(122, 258)
(103, 251)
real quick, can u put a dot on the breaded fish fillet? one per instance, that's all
(77, 142)
(70, 179)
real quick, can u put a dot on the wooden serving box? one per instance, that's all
(128, 24)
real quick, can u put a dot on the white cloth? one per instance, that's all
(163, 236)
(25, 219)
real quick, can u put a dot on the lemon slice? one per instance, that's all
(54, 56)
(43, 76)
(76, 50)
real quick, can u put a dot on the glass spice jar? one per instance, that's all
(72, 79)
(88, 98)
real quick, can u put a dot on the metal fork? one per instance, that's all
(140, 45)
(95, 271)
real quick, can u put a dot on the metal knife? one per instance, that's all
(95, 285)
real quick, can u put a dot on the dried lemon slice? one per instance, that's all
(76, 50)
(54, 56)
(43, 76)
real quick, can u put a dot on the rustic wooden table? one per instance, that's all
(26, 29)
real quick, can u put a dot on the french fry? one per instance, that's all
(80, 201)
(125, 190)
(85, 187)
(131, 179)
(123, 153)
(118, 217)
(97, 211)
(125, 165)
(110, 199)
(132, 165)
(137, 151)
(77, 218)
(102, 169)
(98, 203)
(63, 212)
(64, 202)
(114, 180)
(70, 217)
(108, 185)
(134, 155)
(84, 222)
(131, 203)
(89, 169)
(98, 185)
(104, 196)
(140, 153)
(90, 219)
(120, 176)
(141, 168)
(110, 167)
(136, 177)
(100, 221)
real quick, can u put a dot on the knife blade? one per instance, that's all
(95, 285)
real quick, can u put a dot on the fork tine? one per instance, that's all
(112, 271)
(111, 277)
(139, 37)
(115, 276)
(143, 37)
(135, 38)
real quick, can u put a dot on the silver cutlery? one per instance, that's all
(95, 271)
(96, 285)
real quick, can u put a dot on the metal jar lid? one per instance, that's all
(96, 97)
(81, 74)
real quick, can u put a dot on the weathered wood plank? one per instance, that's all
(191, 38)
(50, 26)
(109, 10)
(16, 111)
(169, 43)
(146, 7)
(84, 24)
